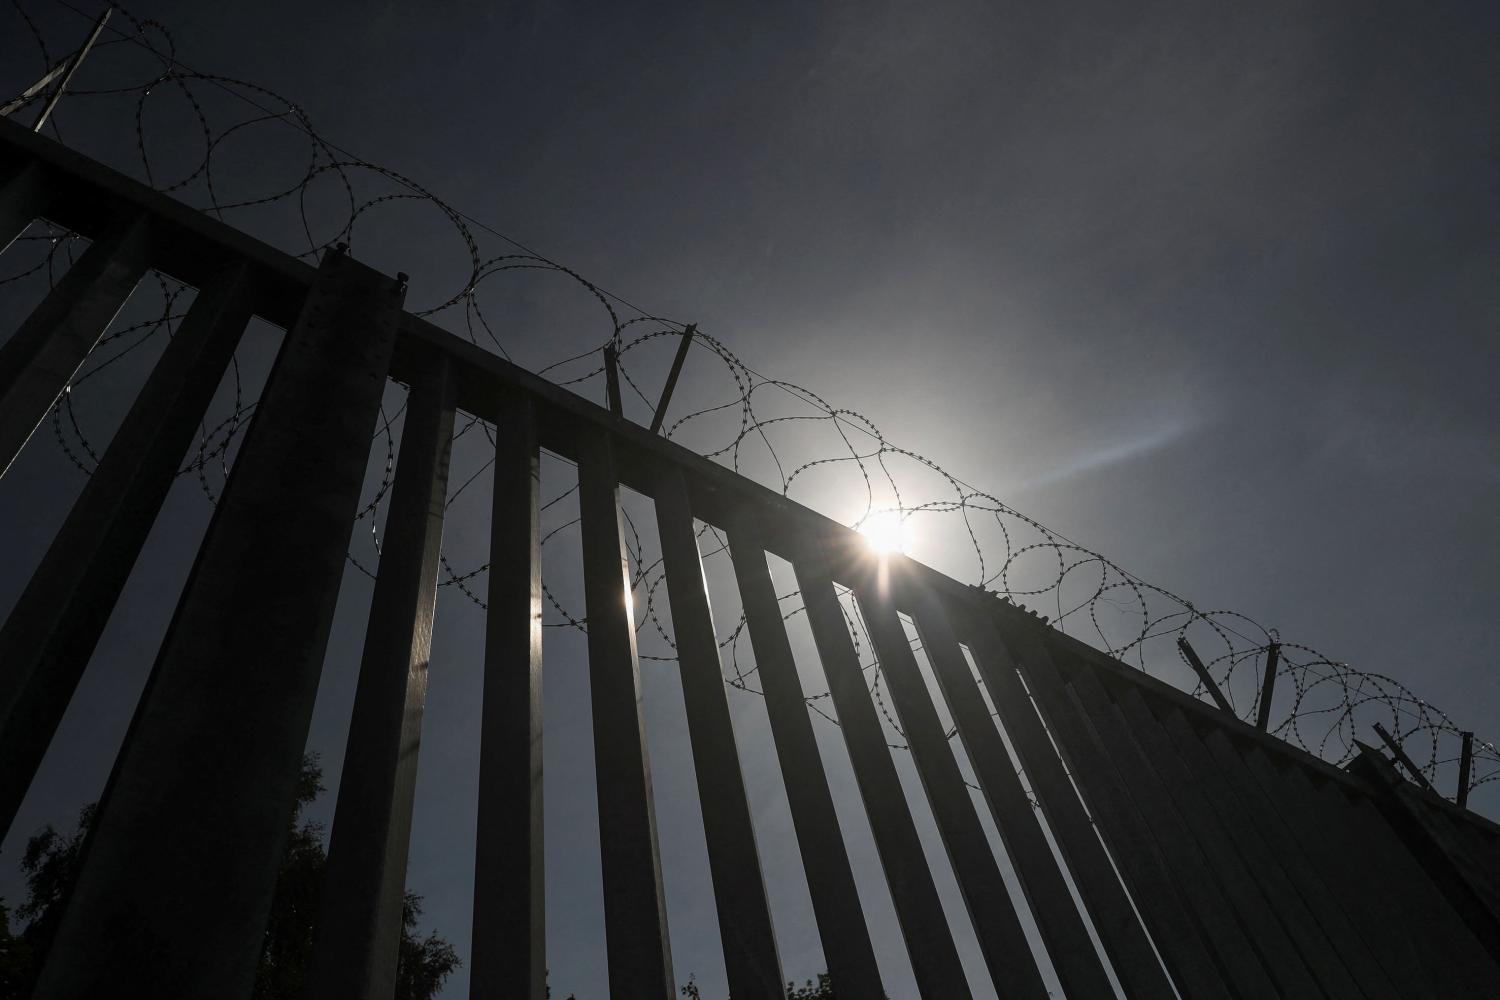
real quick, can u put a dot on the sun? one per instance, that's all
(885, 532)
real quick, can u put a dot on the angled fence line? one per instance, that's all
(1209, 855)
(754, 424)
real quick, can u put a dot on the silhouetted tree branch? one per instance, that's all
(51, 860)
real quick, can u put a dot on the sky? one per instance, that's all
(1205, 287)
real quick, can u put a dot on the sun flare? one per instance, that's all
(885, 532)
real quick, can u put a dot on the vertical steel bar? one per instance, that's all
(509, 956)
(1191, 655)
(1279, 927)
(178, 873)
(53, 629)
(1002, 942)
(929, 942)
(1124, 939)
(1185, 945)
(750, 955)
(830, 881)
(364, 886)
(1067, 939)
(635, 906)
(1465, 763)
(1267, 687)
(23, 197)
(41, 357)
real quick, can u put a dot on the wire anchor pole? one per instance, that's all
(612, 380)
(666, 391)
(1268, 686)
(1465, 763)
(1401, 757)
(65, 69)
(1203, 675)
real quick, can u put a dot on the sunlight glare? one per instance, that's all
(885, 532)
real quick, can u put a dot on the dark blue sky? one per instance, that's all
(1209, 288)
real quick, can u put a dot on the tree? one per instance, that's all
(820, 990)
(51, 860)
(424, 964)
(15, 958)
(48, 863)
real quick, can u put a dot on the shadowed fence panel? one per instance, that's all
(1123, 937)
(825, 859)
(207, 777)
(53, 628)
(750, 953)
(1262, 914)
(1002, 941)
(1062, 929)
(1367, 957)
(1337, 851)
(364, 886)
(1187, 946)
(23, 197)
(1254, 868)
(509, 954)
(1230, 931)
(635, 906)
(40, 358)
(1457, 955)
(934, 957)
(1242, 835)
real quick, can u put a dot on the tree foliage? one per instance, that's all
(822, 989)
(51, 860)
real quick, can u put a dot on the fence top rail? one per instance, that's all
(190, 246)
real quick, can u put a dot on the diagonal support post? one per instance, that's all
(667, 390)
(26, 96)
(1405, 761)
(1204, 676)
(68, 69)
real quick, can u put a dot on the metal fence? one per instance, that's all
(1209, 857)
